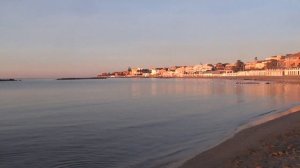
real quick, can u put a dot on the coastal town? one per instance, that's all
(279, 65)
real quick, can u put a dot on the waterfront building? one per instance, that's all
(154, 72)
(189, 70)
(292, 61)
(123, 73)
(262, 64)
(202, 68)
(173, 68)
(230, 68)
(277, 57)
(250, 66)
(136, 72)
(168, 74)
(220, 67)
(180, 71)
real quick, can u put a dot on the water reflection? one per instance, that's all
(205, 87)
(126, 122)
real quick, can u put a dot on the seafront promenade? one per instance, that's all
(269, 72)
(271, 75)
(255, 73)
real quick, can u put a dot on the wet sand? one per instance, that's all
(275, 143)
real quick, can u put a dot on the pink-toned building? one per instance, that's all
(250, 65)
(261, 65)
(292, 61)
(180, 71)
(220, 67)
(229, 68)
(189, 70)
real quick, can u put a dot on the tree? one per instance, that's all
(240, 66)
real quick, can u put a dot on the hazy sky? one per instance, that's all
(54, 38)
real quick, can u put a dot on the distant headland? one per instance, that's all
(7, 80)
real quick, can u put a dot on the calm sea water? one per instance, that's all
(120, 123)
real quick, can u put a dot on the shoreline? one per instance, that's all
(253, 144)
(274, 79)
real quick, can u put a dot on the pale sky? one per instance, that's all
(66, 38)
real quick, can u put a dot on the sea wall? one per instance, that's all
(269, 72)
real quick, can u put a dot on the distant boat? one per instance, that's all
(242, 83)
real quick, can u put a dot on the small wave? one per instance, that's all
(266, 117)
(163, 160)
(266, 113)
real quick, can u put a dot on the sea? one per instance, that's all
(127, 123)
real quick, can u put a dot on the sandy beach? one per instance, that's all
(275, 143)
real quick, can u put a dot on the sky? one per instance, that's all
(76, 38)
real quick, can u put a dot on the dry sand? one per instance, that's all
(274, 144)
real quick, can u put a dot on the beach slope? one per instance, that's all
(275, 143)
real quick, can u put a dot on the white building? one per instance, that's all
(202, 68)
